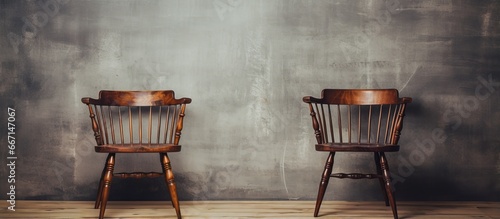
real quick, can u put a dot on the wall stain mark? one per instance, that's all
(373, 64)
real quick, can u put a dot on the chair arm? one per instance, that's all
(185, 100)
(310, 99)
(88, 100)
(406, 99)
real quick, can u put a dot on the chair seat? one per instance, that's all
(137, 148)
(355, 147)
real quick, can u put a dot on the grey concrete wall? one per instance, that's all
(247, 65)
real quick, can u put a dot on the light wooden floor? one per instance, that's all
(251, 209)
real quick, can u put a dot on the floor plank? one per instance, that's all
(250, 209)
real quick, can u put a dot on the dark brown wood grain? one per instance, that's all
(358, 120)
(136, 122)
(138, 148)
(136, 98)
(358, 96)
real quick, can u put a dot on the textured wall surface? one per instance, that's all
(247, 65)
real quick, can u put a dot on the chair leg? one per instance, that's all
(108, 176)
(381, 180)
(325, 178)
(169, 177)
(387, 182)
(101, 184)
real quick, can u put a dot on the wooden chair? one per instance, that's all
(136, 122)
(358, 120)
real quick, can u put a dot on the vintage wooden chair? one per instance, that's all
(358, 120)
(136, 122)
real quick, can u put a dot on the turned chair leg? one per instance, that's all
(381, 180)
(325, 178)
(387, 182)
(108, 176)
(169, 178)
(101, 184)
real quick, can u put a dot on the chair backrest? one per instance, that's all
(136, 117)
(358, 116)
